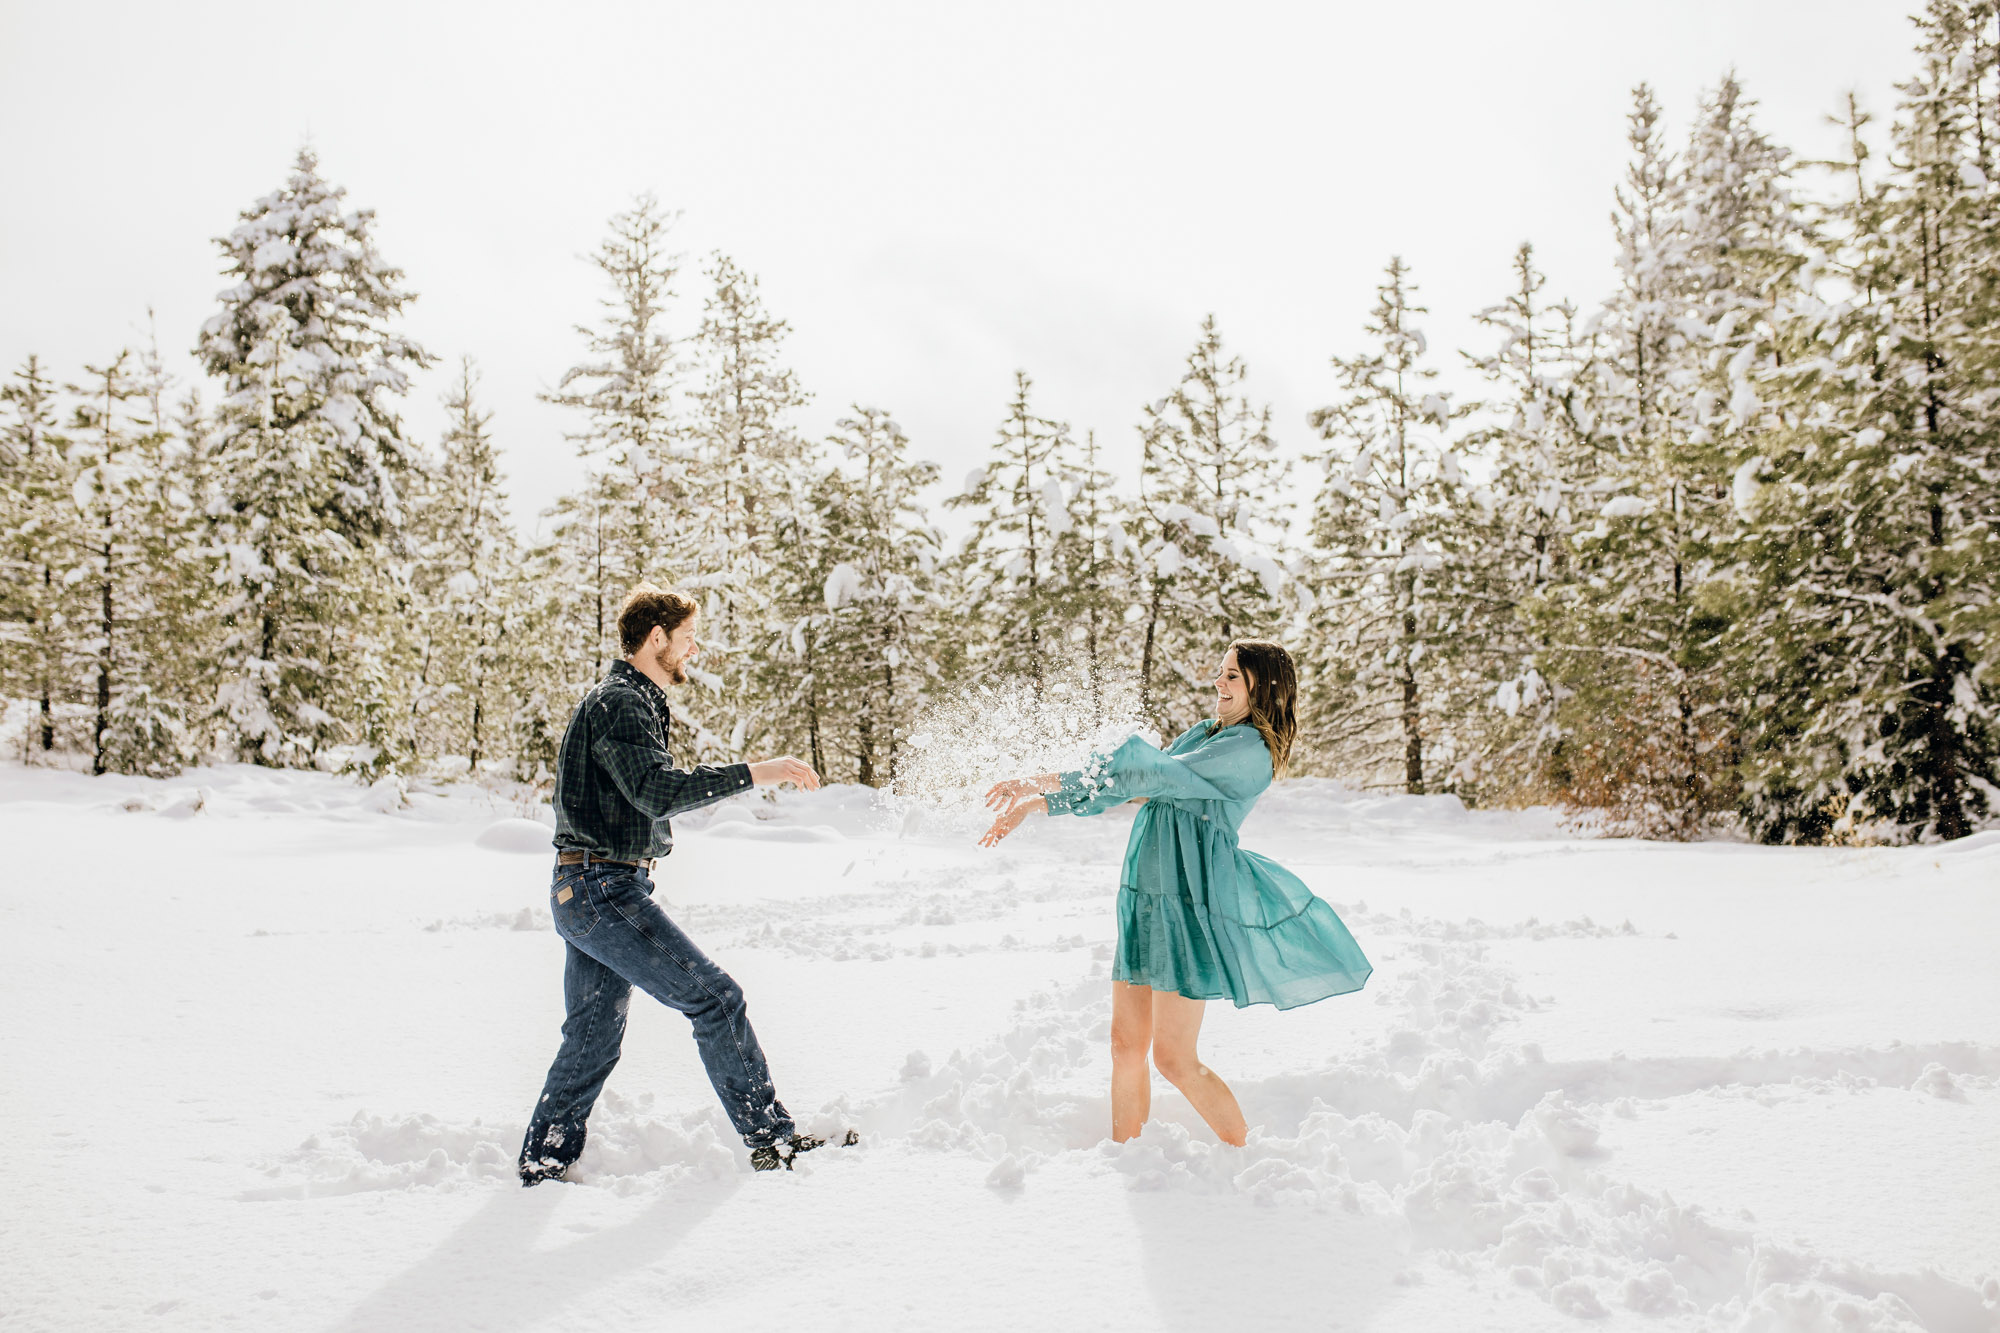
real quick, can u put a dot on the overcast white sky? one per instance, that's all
(933, 193)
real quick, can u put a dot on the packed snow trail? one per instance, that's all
(273, 1037)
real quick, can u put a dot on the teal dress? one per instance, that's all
(1197, 914)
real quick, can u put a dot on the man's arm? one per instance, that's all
(629, 749)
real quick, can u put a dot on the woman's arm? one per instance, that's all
(1004, 794)
(1011, 820)
(1232, 767)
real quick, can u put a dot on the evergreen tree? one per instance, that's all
(632, 522)
(1708, 247)
(128, 540)
(313, 461)
(1091, 583)
(791, 657)
(462, 584)
(1004, 567)
(1539, 443)
(551, 610)
(1209, 501)
(876, 657)
(1874, 511)
(745, 447)
(194, 496)
(40, 605)
(1396, 601)
(162, 714)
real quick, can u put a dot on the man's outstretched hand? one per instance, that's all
(771, 772)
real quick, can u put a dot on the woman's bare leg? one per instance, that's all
(1176, 1024)
(1131, 1079)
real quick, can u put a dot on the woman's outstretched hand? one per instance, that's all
(1011, 820)
(1004, 795)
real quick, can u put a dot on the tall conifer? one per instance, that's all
(1209, 502)
(1876, 514)
(41, 612)
(314, 459)
(1394, 614)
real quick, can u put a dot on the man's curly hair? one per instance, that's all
(647, 606)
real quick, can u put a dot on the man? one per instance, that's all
(616, 786)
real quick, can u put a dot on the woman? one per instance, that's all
(1199, 918)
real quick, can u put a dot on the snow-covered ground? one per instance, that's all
(268, 1041)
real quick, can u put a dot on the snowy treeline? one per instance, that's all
(1724, 546)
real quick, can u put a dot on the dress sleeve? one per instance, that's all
(629, 751)
(1233, 767)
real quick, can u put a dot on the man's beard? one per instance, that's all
(675, 671)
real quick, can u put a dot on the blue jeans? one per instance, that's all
(617, 938)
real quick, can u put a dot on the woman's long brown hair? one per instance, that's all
(1274, 693)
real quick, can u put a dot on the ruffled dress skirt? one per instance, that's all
(1201, 917)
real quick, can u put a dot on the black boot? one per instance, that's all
(543, 1168)
(548, 1151)
(774, 1155)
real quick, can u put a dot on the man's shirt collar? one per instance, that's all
(621, 667)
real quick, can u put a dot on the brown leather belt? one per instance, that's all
(574, 856)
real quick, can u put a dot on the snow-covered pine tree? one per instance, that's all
(1706, 244)
(876, 657)
(790, 659)
(166, 715)
(551, 610)
(1623, 690)
(1092, 588)
(130, 533)
(41, 608)
(1209, 502)
(464, 574)
(1747, 248)
(1875, 518)
(1538, 442)
(744, 448)
(1003, 568)
(193, 499)
(313, 459)
(1398, 632)
(632, 520)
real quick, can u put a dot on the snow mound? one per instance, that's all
(515, 835)
(629, 1149)
(374, 1152)
(1979, 847)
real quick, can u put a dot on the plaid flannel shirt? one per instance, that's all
(616, 784)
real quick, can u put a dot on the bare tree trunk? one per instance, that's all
(889, 694)
(597, 580)
(1146, 659)
(48, 711)
(1945, 758)
(865, 730)
(1690, 820)
(103, 659)
(473, 758)
(812, 710)
(1096, 674)
(1413, 736)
